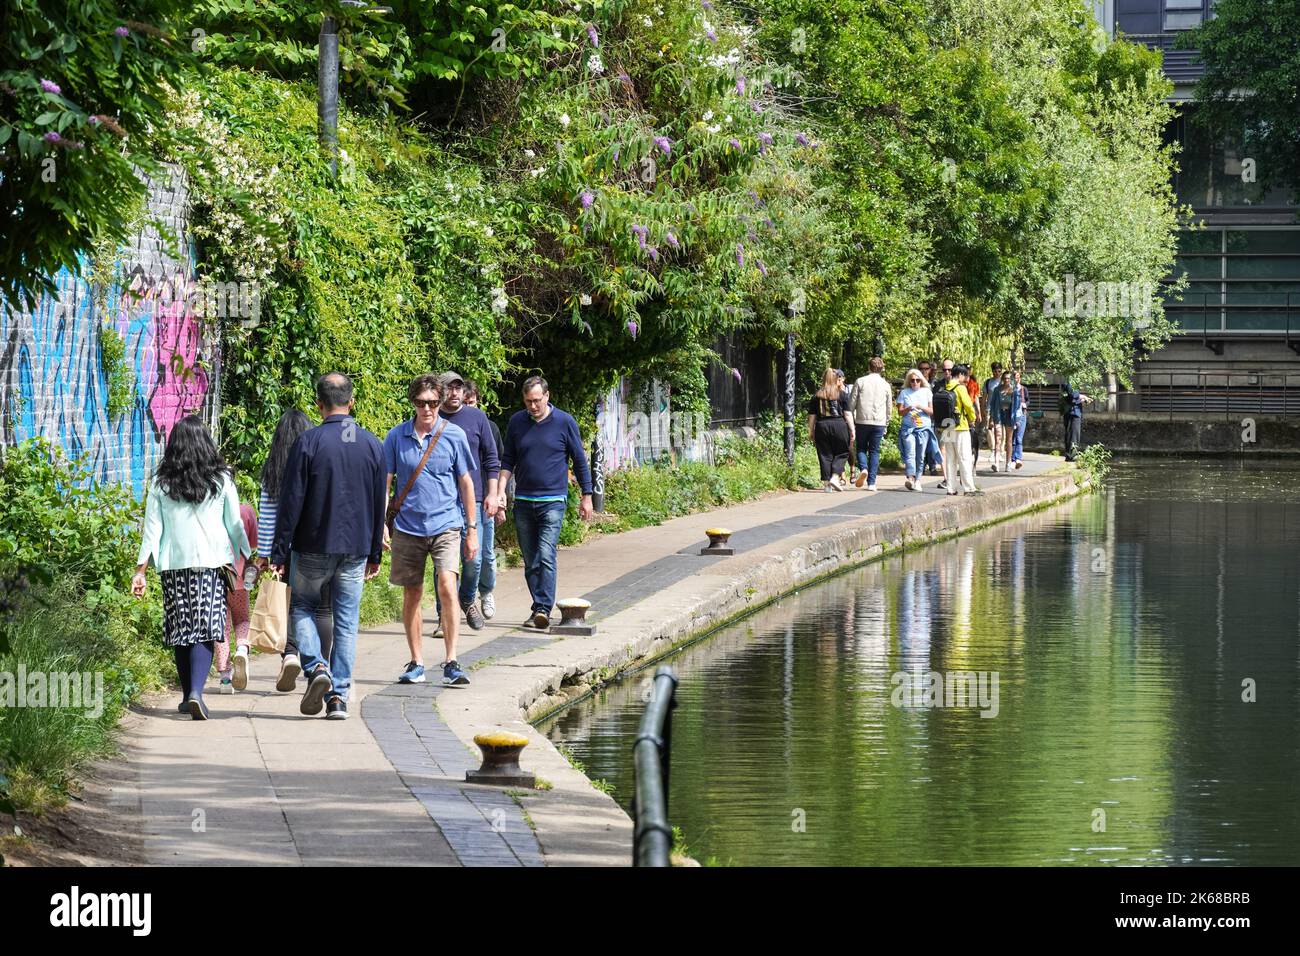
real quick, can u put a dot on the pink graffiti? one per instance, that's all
(181, 383)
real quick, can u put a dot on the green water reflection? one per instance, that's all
(1121, 627)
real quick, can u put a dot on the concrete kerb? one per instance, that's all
(527, 688)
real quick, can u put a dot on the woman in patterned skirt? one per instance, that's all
(192, 528)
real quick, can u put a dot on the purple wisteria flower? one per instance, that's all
(761, 267)
(122, 32)
(93, 121)
(52, 137)
(801, 139)
(711, 35)
(770, 224)
(616, 152)
(49, 86)
(632, 327)
(671, 240)
(740, 86)
(706, 5)
(641, 233)
(653, 252)
(665, 144)
(754, 105)
(740, 254)
(735, 143)
(764, 141)
(735, 372)
(587, 199)
(591, 35)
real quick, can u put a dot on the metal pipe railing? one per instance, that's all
(652, 837)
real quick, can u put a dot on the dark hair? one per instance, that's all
(292, 424)
(961, 370)
(996, 366)
(533, 381)
(424, 383)
(334, 390)
(192, 468)
(470, 387)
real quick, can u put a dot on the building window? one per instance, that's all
(1239, 280)
(1183, 14)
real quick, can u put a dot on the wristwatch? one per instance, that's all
(472, 527)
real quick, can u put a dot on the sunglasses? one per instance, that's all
(426, 403)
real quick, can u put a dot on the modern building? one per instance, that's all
(1239, 341)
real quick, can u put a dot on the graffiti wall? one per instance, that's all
(52, 380)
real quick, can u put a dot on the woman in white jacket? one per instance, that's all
(192, 528)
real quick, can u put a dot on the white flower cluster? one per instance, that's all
(723, 60)
(247, 252)
(595, 64)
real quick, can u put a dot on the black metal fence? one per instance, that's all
(652, 837)
(1199, 393)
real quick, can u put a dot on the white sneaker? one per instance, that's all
(943, 486)
(917, 485)
(489, 605)
(239, 679)
(871, 487)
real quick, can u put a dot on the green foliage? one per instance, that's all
(1095, 463)
(1253, 45)
(121, 381)
(80, 110)
(63, 629)
(55, 523)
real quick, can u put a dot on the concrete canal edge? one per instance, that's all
(578, 823)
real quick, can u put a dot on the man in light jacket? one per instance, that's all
(872, 400)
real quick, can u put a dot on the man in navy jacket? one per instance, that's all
(329, 528)
(540, 442)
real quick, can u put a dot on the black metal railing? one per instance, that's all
(652, 837)
(1229, 392)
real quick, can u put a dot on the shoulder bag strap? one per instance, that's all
(396, 504)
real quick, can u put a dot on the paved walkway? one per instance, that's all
(260, 784)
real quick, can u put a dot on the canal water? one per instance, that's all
(1146, 647)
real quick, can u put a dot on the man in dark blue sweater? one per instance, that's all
(331, 518)
(540, 442)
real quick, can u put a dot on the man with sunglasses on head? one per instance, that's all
(431, 501)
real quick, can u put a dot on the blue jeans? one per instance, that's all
(1018, 442)
(869, 437)
(537, 525)
(345, 575)
(933, 456)
(479, 575)
(912, 445)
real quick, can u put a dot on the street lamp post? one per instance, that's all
(327, 83)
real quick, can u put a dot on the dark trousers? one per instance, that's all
(1073, 436)
(324, 619)
(869, 438)
(831, 436)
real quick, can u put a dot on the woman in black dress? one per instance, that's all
(830, 429)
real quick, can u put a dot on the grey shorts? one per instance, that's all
(406, 568)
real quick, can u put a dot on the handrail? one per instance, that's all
(652, 838)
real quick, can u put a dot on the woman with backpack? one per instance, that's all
(192, 533)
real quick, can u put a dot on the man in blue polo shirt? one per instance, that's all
(540, 442)
(431, 513)
(331, 516)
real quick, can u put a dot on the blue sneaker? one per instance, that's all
(453, 676)
(414, 674)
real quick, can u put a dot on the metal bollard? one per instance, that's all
(718, 538)
(501, 751)
(573, 618)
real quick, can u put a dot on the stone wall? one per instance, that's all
(1156, 434)
(52, 380)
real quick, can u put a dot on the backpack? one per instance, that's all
(945, 408)
(1065, 402)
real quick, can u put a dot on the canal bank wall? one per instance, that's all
(1152, 434)
(583, 824)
